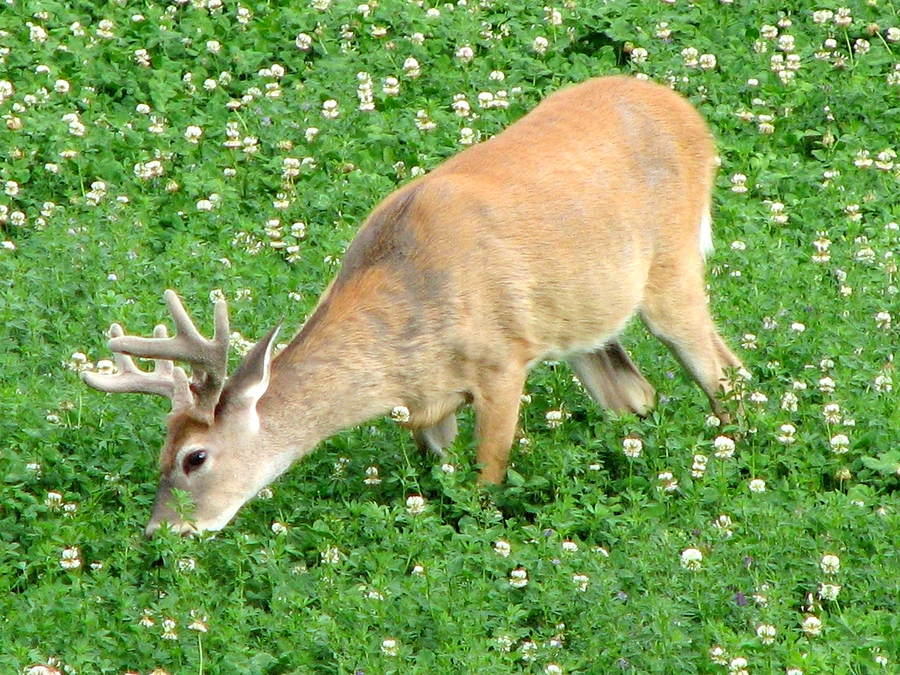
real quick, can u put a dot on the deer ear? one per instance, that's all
(251, 379)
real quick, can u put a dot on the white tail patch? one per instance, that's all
(706, 241)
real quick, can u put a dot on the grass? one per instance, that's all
(109, 198)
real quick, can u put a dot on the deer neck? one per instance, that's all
(334, 375)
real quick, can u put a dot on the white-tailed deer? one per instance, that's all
(542, 241)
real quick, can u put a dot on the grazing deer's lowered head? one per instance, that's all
(542, 241)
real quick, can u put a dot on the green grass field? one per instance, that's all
(233, 148)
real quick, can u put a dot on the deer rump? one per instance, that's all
(543, 241)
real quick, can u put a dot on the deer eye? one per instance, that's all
(194, 460)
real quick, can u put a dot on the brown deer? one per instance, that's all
(540, 242)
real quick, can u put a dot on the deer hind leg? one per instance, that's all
(675, 311)
(612, 379)
(435, 438)
(496, 417)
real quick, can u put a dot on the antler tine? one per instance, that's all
(209, 358)
(164, 380)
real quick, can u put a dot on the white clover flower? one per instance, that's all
(53, 500)
(554, 418)
(391, 86)
(279, 528)
(581, 581)
(883, 383)
(691, 559)
(400, 414)
(798, 327)
(724, 524)
(830, 564)
(632, 447)
(759, 398)
(186, 565)
(832, 413)
(840, 444)
(553, 16)
(6, 90)
(70, 558)
(213, 46)
(786, 437)
(518, 578)
(330, 109)
(667, 482)
(826, 385)
(717, 655)
(883, 320)
(738, 666)
(885, 160)
(147, 619)
(569, 546)
(691, 57)
(552, 669)
(739, 183)
(811, 625)
(829, 591)
(168, 626)
(529, 651)
(193, 134)
(766, 633)
(707, 61)
(502, 548)
(411, 68)
(142, 58)
(639, 55)
(757, 485)
(724, 447)
(198, 623)
(540, 44)
(779, 217)
(461, 106)
(465, 53)
(415, 505)
(789, 401)
(372, 476)
(303, 42)
(390, 647)
(331, 555)
(79, 362)
(698, 468)
(424, 122)
(467, 136)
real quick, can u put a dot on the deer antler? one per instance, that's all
(208, 358)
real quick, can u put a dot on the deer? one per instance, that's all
(542, 242)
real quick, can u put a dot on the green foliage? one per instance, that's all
(185, 146)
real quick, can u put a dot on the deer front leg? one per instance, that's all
(497, 414)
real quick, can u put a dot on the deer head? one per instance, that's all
(213, 424)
